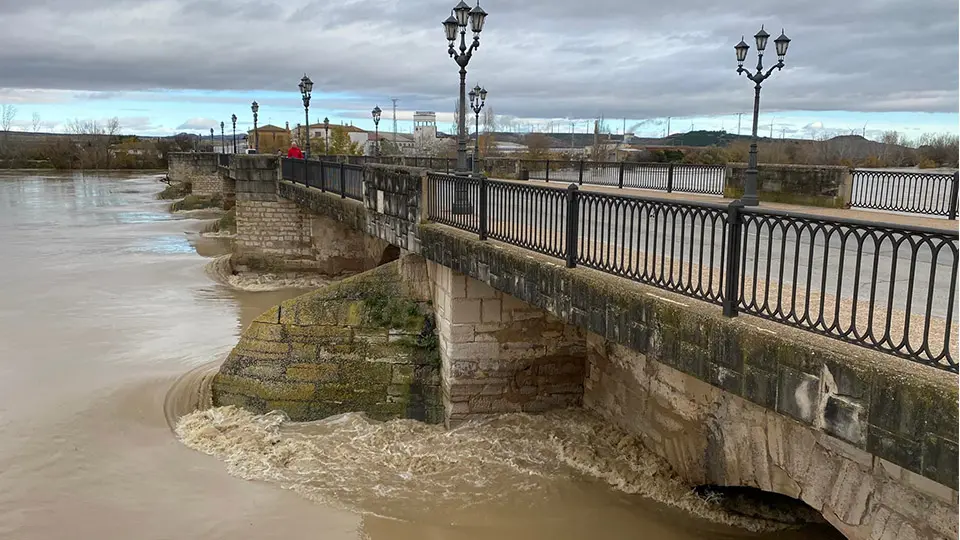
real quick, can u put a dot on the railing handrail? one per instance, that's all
(625, 196)
(904, 173)
(852, 222)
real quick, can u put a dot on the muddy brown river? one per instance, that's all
(109, 326)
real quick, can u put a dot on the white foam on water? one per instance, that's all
(220, 270)
(351, 461)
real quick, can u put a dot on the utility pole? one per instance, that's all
(771, 127)
(394, 123)
(668, 127)
(738, 122)
(573, 130)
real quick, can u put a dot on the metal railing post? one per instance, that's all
(343, 183)
(952, 210)
(548, 171)
(580, 178)
(670, 178)
(620, 181)
(573, 220)
(731, 290)
(482, 226)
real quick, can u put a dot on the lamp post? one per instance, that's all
(211, 138)
(223, 146)
(326, 135)
(306, 87)
(233, 118)
(457, 23)
(478, 97)
(376, 129)
(255, 107)
(750, 179)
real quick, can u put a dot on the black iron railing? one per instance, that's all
(888, 288)
(453, 200)
(669, 177)
(427, 162)
(881, 287)
(909, 192)
(341, 179)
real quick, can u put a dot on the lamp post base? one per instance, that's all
(462, 205)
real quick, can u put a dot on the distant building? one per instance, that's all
(424, 129)
(272, 139)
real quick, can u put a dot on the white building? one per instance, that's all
(424, 128)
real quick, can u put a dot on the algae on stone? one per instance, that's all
(360, 344)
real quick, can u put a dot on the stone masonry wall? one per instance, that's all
(809, 185)
(361, 344)
(276, 233)
(199, 169)
(711, 436)
(499, 354)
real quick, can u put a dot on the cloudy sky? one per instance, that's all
(164, 66)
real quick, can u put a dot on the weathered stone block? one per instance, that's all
(846, 419)
(465, 311)
(264, 370)
(313, 372)
(940, 457)
(490, 310)
(798, 394)
(895, 448)
(760, 386)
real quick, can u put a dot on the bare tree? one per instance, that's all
(455, 125)
(7, 114)
(36, 122)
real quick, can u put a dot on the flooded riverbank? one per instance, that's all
(109, 326)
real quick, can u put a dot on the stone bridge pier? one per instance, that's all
(441, 326)
(276, 234)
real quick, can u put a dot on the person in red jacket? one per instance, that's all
(294, 152)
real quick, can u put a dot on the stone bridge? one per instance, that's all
(445, 327)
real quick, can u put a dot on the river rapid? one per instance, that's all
(110, 327)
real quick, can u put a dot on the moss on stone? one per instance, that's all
(175, 190)
(197, 202)
(360, 344)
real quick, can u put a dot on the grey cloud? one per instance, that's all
(539, 58)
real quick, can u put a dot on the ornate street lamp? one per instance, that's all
(326, 135)
(233, 118)
(457, 23)
(223, 146)
(306, 87)
(255, 107)
(478, 97)
(750, 179)
(376, 126)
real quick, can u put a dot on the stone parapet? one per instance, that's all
(811, 185)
